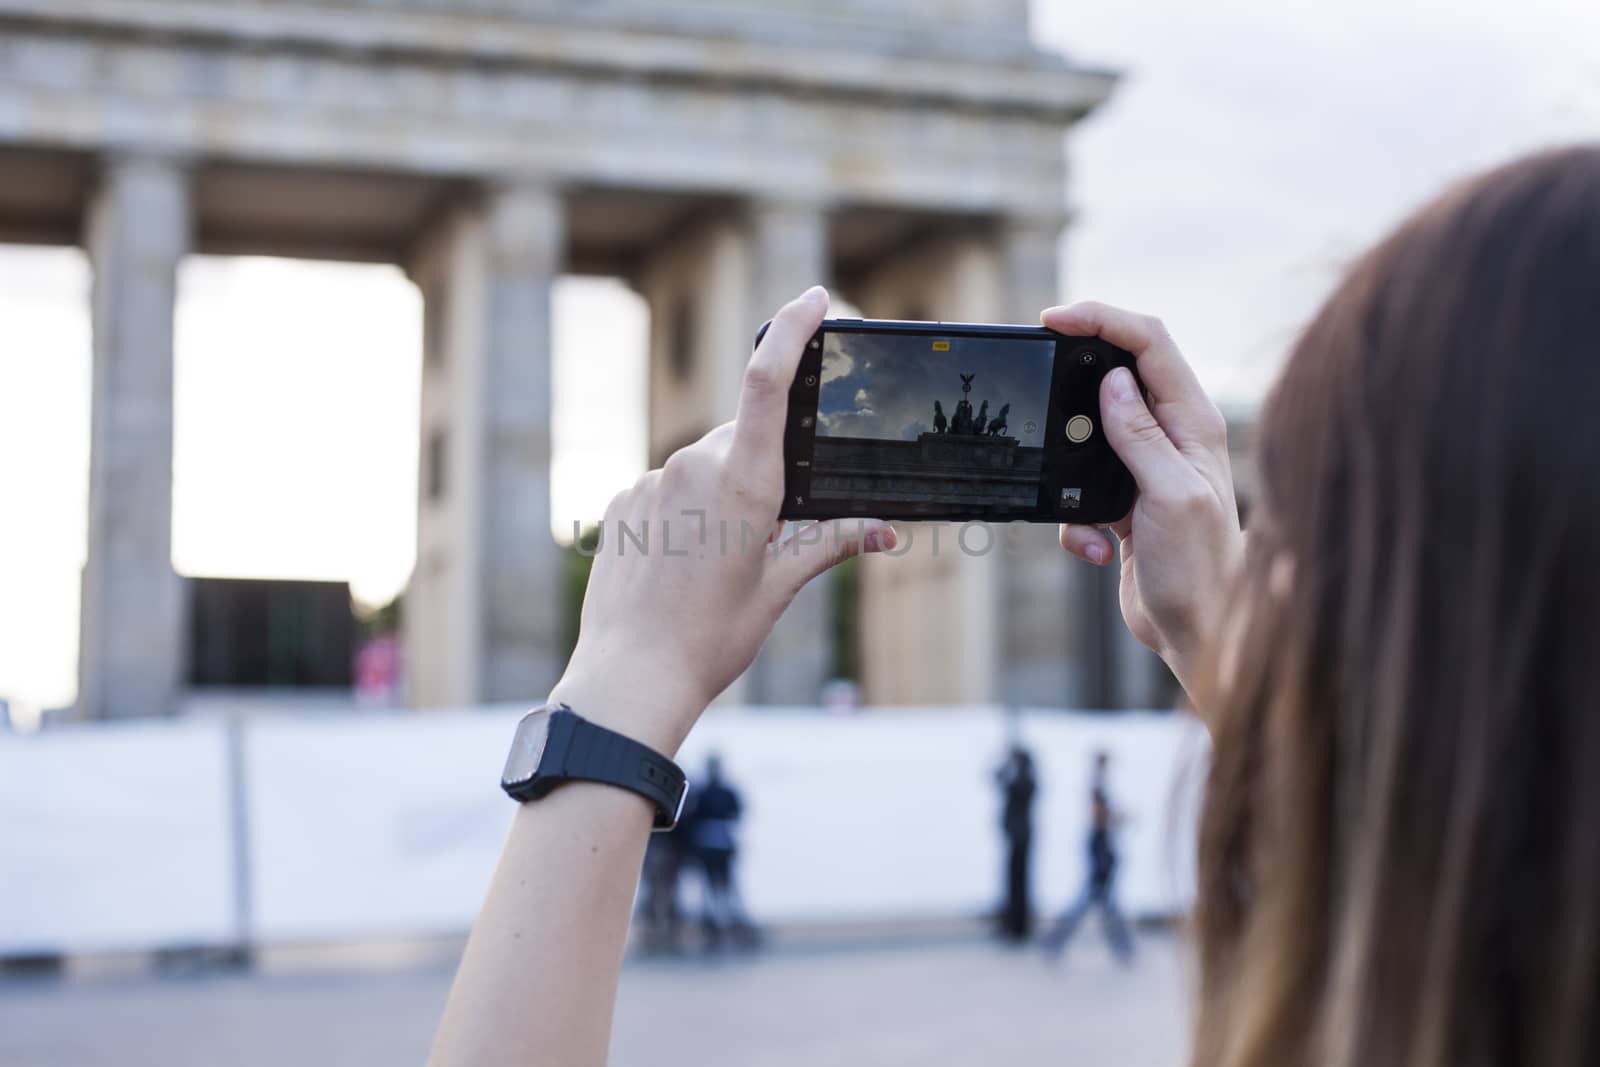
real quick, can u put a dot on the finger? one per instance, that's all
(764, 397)
(815, 547)
(1165, 372)
(1088, 543)
(1139, 440)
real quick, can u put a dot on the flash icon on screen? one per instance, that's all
(941, 346)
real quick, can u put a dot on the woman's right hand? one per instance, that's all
(1181, 542)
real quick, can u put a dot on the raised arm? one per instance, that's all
(663, 632)
(1181, 543)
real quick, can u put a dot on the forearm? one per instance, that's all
(1201, 653)
(661, 634)
(1189, 668)
(537, 983)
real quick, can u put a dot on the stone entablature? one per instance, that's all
(927, 68)
(946, 23)
(348, 88)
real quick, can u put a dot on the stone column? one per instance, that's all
(1044, 636)
(485, 609)
(789, 253)
(525, 244)
(1070, 646)
(932, 617)
(701, 328)
(131, 630)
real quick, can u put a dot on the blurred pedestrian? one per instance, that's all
(1017, 787)
(1100, 887)
(659, 907)
(712, 828)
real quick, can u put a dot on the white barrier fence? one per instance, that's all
(331, 827)
(115, 837)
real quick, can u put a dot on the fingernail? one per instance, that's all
(813, 294)
(1097, 553)
(1122, 385)
(879, 539)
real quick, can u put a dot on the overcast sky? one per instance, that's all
(1255, 147)
(884, 387)
(1252, 149)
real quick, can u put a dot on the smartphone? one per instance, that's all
(951, 422)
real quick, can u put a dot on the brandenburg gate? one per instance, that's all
(718, 155)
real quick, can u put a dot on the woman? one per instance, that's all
(1400, 850)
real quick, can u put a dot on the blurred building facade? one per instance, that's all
(718, 155)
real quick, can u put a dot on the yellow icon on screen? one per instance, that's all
(941, 346)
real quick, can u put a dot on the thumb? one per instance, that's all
(815, 547)
(1138, 438)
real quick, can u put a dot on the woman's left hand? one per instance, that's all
(689, 580)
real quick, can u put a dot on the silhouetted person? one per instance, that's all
(1099, 888)
(1017, 786)
(664, 860)
(713, 836)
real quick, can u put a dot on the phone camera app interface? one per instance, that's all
(929, 424)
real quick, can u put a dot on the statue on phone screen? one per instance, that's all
(997, 425)
(962, 423)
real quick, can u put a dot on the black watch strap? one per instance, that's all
(596, 754)
(555, 745)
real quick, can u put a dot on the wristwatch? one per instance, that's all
(555, 745)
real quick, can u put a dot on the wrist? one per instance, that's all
(1185, 665)
(634, 706)
(1189, 649)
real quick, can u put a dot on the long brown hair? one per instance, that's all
(1400, 849)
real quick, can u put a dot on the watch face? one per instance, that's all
(527, 749)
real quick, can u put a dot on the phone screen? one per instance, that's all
(928, 420)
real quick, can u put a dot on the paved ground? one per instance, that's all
(966, 1002)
